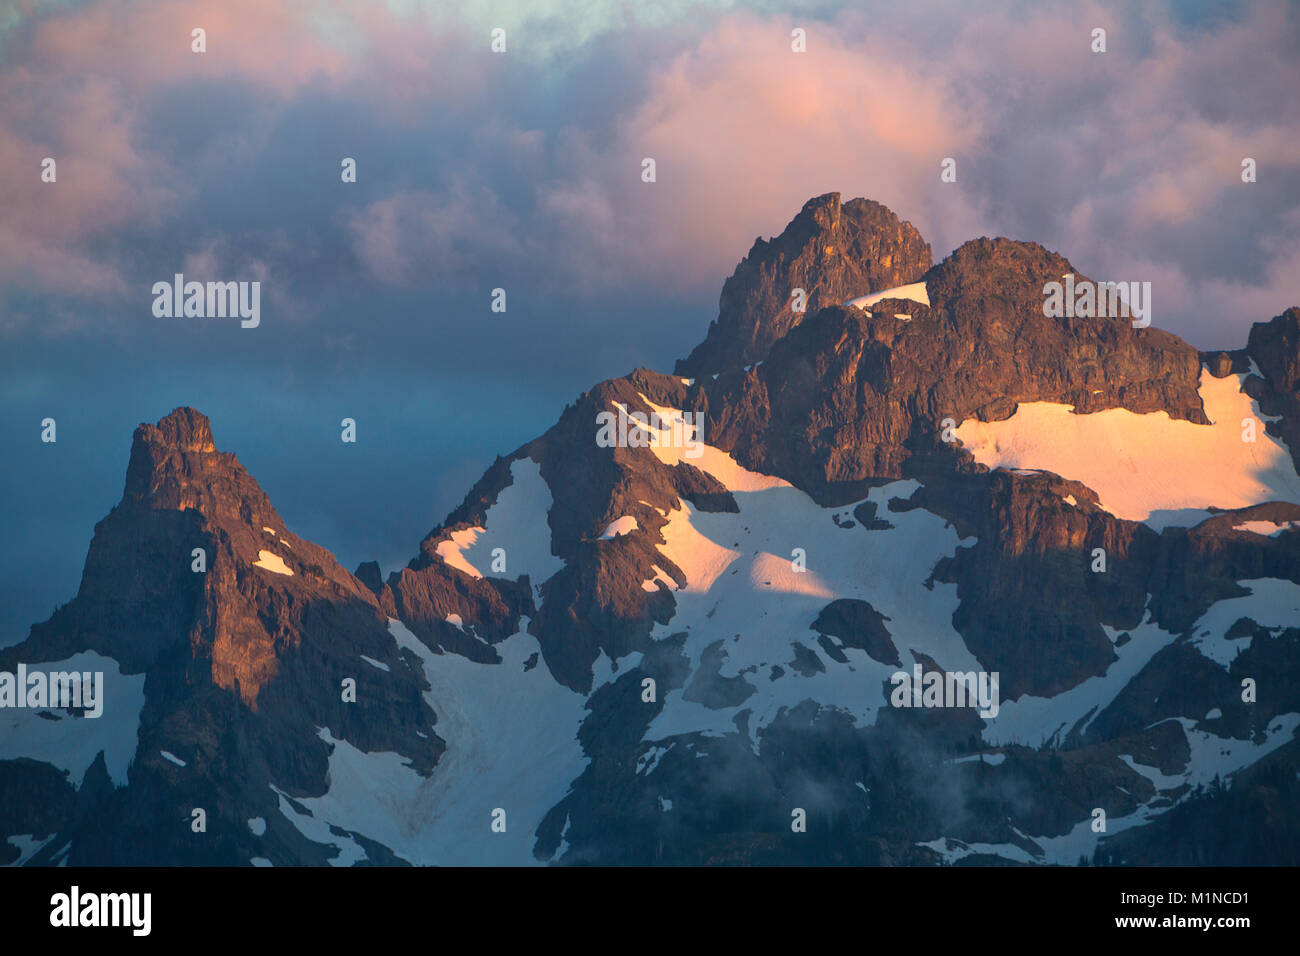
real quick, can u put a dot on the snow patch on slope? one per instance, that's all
(1032, 721)
(1269, 529)
(318, 830)
(916, 291)
(28, 846)
(1149, 467)
(511, 743)
(624, 525)
(72, 743)
(1273, 602)
(517, 522)
(741, 582)
(270, 561)
(703, 456)
(1210, 756)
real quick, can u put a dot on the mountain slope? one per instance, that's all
(664, 647)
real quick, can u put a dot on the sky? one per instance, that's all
(521, 170)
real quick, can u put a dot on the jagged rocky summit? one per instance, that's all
(665, 648)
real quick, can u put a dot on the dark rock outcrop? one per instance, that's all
(244, 663)
(1275, 348)
(833, 251)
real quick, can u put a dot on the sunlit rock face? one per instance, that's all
(833, 251)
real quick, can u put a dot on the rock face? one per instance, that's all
(833, 251)
(1274, 347)
(850, 397)
(243, 657)
(654, 650)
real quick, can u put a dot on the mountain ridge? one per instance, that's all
(573, 573)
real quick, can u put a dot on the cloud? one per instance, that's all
(418, 235)
(1129, 156)
(140, 125)
(525, 168)
(143, 45)
(743, 130)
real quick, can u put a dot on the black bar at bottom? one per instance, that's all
(334, 905)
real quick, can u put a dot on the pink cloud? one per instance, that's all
(418, 236)
(1111, 159)
(77, 86)
(743, 131)
(1103, 157)
(268, 43)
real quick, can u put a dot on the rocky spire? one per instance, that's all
(833, 251)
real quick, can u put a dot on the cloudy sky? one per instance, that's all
(521, 170)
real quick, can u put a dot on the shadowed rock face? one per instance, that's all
(244, 665)
(181, 494)
(833, 251)
(1274, 346)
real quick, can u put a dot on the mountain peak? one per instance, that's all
(159, 463)
(825, 208)
(184, 429)
(832, 250)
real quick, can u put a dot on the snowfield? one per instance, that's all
(1150, 467)
(72, 743)
(916, 291)
(512, 743)
(743, 589)
(517, 523)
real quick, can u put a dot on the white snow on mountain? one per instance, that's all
(624, 525)
(1148, 467)
(915, 291)
(72, 743)
(1213, 756)
(316, 829)
(271, 561)
(1033, 721)
(28, 846)
(652, 584)
(1272, 602)
(743, 588)
(516, 522)
(704, 456)
(511, 744)
(1210, 756)
(1270, 529)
